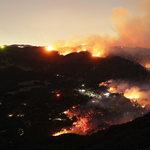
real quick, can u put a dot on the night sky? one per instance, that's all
(42, 22)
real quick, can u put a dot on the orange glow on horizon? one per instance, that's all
(97, 54)
(49, 48)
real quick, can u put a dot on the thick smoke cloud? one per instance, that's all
(132, 30)
(132, 90)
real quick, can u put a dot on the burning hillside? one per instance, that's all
(132, 31)
(137, 92)
(81, 86)
(111, 107)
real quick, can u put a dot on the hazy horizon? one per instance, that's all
(44, 22)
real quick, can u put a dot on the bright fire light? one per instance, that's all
(64, 53)
(49, 48)
(97, 54)
(132, 93)
(112, 90)
(58, 95)
(63, 131)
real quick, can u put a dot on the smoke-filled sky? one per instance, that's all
(42, 22)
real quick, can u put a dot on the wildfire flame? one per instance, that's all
(112, 90)
(131, 30)
(133, 93)
(49, 48)
(63, 131)
(83, 125)
(87, 120)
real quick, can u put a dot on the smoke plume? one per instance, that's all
(139, 92)
(132, 30)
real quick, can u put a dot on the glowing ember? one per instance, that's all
(73, 107)
(57, 95)
(24, 104)
(20, 115)
(94, 101)
(65, 112)
(10, 115)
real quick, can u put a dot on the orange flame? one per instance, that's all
(63, 131)
(112, 90)
(49, 48)
(143, 106)
(133, 93)
(131, 30)
(83, 125)
(97, 54)
(103, 84)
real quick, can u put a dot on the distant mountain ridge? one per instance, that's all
(81, 64)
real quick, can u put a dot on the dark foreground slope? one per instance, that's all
(30, 79)
(132, 136)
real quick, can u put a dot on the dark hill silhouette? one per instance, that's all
(132, 136)
(114, 67)
(76, 65)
